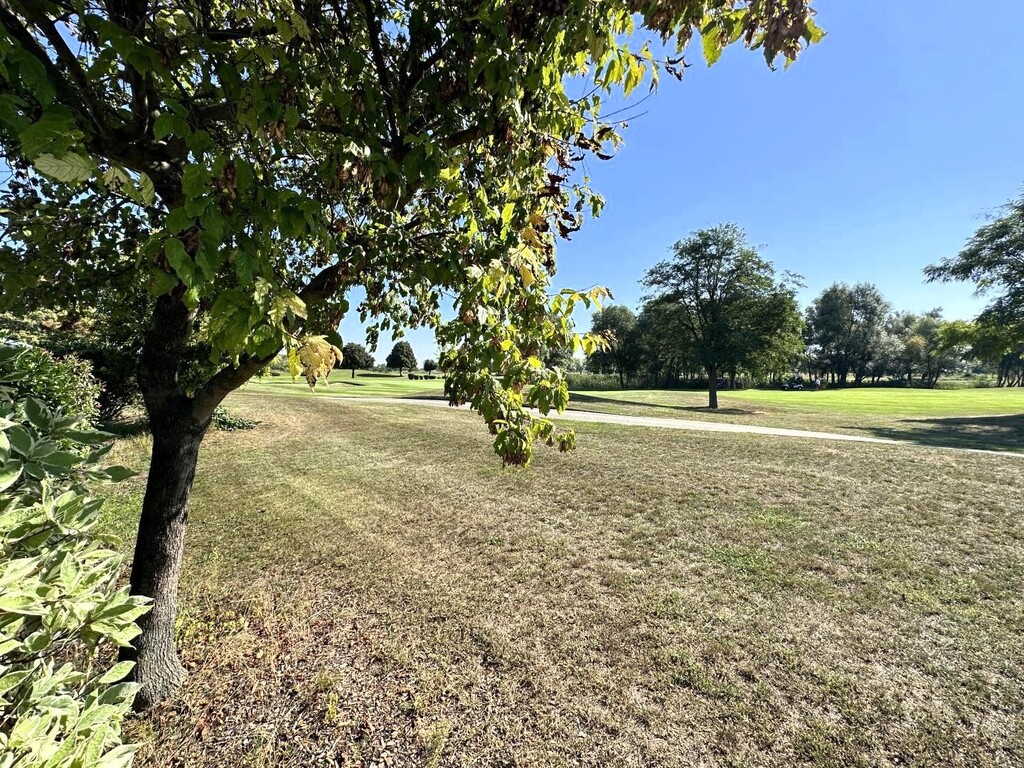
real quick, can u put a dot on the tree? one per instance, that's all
(845, 328)
(993, 259)
(617, 324)
(250, 166)
(732, 306)
(933, 350)
(1000, 345)
(664, 349)
(401, 357)
(429, 365)
(355, 357)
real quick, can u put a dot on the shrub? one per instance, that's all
(93, 338)
(223, 420)
(592, 381)
(64, 384)
(61, 613)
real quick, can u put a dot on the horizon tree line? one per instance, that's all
(719, 315)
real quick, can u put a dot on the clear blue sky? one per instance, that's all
(876, 154)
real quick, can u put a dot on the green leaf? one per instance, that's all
(21, 440)
(9, 474)
(167, 124)
(38, 414)
(22, 605)
(117, 672)
(118, 473)
(179, 260)
(69, 168)
(146, 189)
(54, 133)
(177, 221)
(712, 44)
(61, 460)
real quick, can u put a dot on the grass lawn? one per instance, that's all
(341, 383)
(365, 586)
(966, 418)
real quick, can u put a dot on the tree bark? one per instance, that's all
(158, 553)
(713, 386)
(178, 423)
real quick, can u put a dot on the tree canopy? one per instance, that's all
(730, 305)
(993, 259)
(616, 323)
(355, 357)
(845, 327)
(401, 357)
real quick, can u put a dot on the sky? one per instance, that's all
(879, 152)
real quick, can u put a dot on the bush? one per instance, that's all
(592, 381)
(223, 420)
(61, 613)
(64, 384)
(111, 355)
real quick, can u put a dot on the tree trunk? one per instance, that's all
(713, 386)
(353, 373)
(158, 553)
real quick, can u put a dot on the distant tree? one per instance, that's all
(355, 357)
(731, 302)
(617, 323)
(664, 347)
(429, 365)
(845, 327)
(934, 351)
(1000, 345)
(559, 357)
(401, 357)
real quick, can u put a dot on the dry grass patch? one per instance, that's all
(365, 586)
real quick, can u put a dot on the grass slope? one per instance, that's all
(967, 418)
(364, 586)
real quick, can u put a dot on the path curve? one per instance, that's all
(690, 424)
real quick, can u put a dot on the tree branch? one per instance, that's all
(69, 96)
(373, 32)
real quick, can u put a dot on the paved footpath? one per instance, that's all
(689, 424)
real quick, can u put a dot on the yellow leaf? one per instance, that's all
(527, 274)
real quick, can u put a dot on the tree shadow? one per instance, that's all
(598, 400)
(130, 427)
(992, 433)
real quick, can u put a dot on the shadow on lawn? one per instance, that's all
(994, 433)
(577, 398)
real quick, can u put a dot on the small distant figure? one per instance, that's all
(817, 383)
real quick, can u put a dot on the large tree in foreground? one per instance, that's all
(251, 161)
(731, 308)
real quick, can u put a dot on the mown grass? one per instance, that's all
(341, 383)
(990, 419)
(365, 586)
